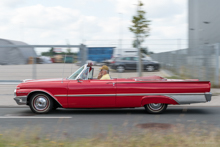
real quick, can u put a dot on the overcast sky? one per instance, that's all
(93, 22)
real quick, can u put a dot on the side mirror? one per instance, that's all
(79, 81)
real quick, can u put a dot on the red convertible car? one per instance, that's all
(81, 90)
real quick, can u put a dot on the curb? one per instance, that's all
(10, 82)
(193, 105)
(15, 81)
(11, 106)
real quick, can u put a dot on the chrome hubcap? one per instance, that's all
(40, 103)
(120, 68)
(150, 68)
(155, 106)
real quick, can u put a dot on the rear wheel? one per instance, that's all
(150, 68)
(155, 108)
(41, 103)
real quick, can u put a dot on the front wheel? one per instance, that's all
(155, 108)
(120, 68)
(41, 103)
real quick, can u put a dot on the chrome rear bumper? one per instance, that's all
(21, 100)
(208, 96)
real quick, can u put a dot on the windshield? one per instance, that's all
(75, 74)
(84, 75)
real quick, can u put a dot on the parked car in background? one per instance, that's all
(78, 63)
(44, 60)
(108, 62)
(125, 52)
(130, 63)
(118, 52)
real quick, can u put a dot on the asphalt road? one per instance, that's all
(90, 122)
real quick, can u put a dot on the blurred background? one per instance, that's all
(176, 38)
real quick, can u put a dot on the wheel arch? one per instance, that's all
(44, 92)
(121, 65)
(149, 65)
(158, 99)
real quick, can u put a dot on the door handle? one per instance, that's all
(111, 83)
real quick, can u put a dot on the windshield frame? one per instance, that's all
(84, 68)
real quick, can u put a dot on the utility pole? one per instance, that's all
(120, 34)
(139, 59)
(120, 39)
(217, 64)
(139, 67)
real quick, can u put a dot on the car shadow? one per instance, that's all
(122, 111)
(131, 111)
(98, 111)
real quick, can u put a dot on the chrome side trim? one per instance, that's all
(21, 100)
(129, 94)
(188, 99)
(145, 94)
(180, 98)
(91, 95)
(61, 95)
(46, 93)
(157, 81)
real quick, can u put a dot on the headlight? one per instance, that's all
(15, 92)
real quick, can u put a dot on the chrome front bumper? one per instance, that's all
(21, 100)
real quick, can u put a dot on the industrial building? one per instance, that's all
(204, 24)
(15, 55)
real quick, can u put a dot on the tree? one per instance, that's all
(142, 49)
(140, 28)
(52, 51)
(68, 50)
(49, 53)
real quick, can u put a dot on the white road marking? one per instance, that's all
(30, 117)
(9, 83)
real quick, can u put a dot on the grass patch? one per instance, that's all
(215, 86)
(152, 138)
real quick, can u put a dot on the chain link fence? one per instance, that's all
(202, 64)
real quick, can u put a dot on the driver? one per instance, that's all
(104, 73)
